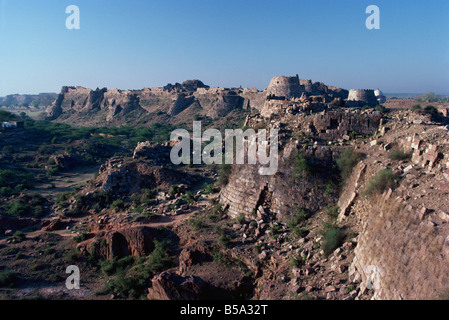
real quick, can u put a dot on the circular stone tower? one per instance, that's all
(363, 96)
(282, 86)
(380, 96)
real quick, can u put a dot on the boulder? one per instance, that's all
(171, 286)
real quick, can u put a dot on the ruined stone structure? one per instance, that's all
(403, 245)
(400, 255)
(361, 98)
(248, 191)
(335, 124)
(120, 177)
(107, 105)
(182, 102)
(380, 96)
(285, 87)
(266, 197)
(224, 104)
(158, 154)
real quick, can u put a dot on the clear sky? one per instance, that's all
(135, 44)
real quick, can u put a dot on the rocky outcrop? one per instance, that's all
(182, 102)
(28, 100)
(55, 110)
(103, 105)
(158, 154)
(134, 241)
(225, 104)
(192, 255)
(120, 177)
(14, 223)
(170, 286)
(64, 161)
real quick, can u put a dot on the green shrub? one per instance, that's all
(329, 189)
(120, 285)
(224, 172)
(332, 212)
(188, 197)
(197, 223)
(174, 190)
(14, 181)
(111, 267)
(299, 217)
(224, 239)
(218, 208)
(296, 223)
(18, 236)
(302, 166)
(7, 278)
(80, 238)
(399, 154)
(380, 182)
(159, 259)
(347, 161)
(117, 204)
(381, 109)
(17, 208)
(297, 262)
(208, 189)
(101, 200)
(301, 232)
(333, 237)
(52, 171)
(431, 110)
(62, 199)
(241, 219)
(429, 97)
(145, 198)
(416, 107)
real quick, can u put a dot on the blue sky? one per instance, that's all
(135, 44)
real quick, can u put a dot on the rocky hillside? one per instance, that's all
(357, 209)
(28, 100)
(177, 104)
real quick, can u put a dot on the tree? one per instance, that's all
(36, 102)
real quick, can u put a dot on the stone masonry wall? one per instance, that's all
(403, 246)
(400, 255)
(277, 196)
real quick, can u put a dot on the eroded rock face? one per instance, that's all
(110, 105)
(225, 104)
(159, 154)
(64, 160)
(193, 255)
(170, 286)
(13, 223)
(122, 177)
(136, 241)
